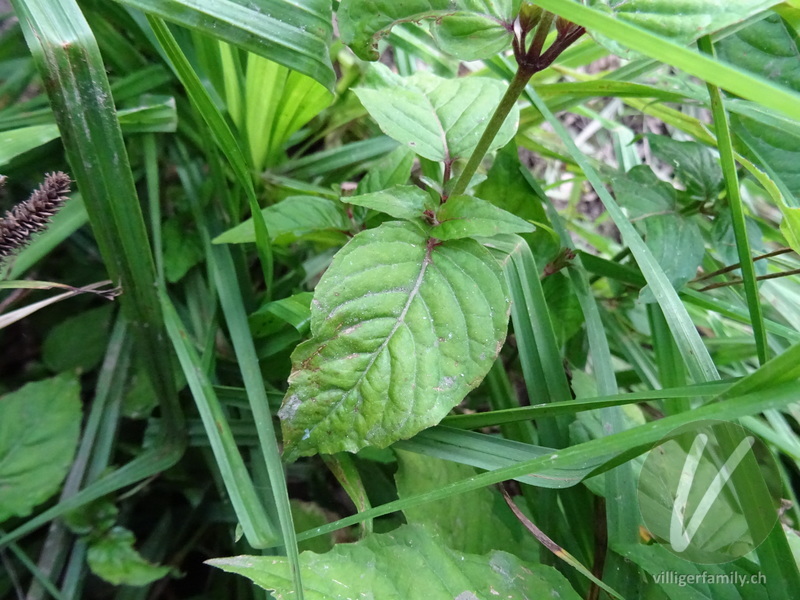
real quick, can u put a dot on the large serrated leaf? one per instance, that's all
(406, 564)
(403, 328)
(39, 427)
(468, 29)
(440, 119)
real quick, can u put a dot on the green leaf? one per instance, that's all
(307, 515)
(401, 201)
(684, 22)
(694, 164)
(690, 581)
(507, 188)
(279, 102)
(295, 217)
(18, 141)
(677, 244)
(392, 169)
(294, 34)
(679, 55)
(294, 310)
(790, 227)
(642, 193)
(676, 241)
(140, 399)
(96, 517)
(78, 343)
(406, 564)
(723, 241)
(565, 309)
(476, 522)
(471, 36)
(403, 327)
(769, 48)
(468, 29)
(440, 119)
(182, 249)
(154, 113)
(465, 216)
(39, 428)
(114, 559)
(777, 150)
(488, 453)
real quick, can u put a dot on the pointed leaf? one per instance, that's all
(472, 36)
(681, 580)
(642, 193)
(440, 119)
(406, 564)
(403, 327)
(507, 188)
(292, 218)
(680, 55)
(694, 163)
(677, 245)
(114, 558)
(675, 241)
(465, 216)
(392, 169)
(401, 201)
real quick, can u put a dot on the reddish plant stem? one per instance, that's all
(530, 62)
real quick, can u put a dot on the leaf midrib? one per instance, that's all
(426, 261)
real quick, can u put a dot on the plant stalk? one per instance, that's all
(530, 62)
(501, 112)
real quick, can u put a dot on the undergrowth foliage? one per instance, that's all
(365, 274)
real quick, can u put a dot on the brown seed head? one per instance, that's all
(33, 215)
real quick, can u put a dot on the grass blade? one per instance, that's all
(294, 34)
(726, 154)
(69, 61)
